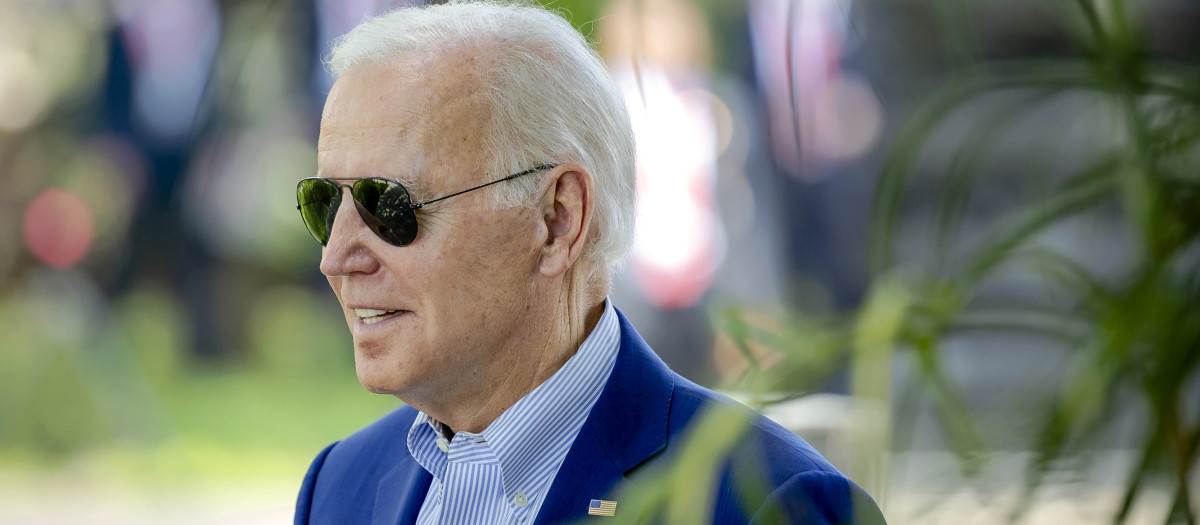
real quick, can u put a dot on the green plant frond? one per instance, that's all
(1096, 30)
(1139, 195)
(798, 376)
(1065, 272)
(898, 166)
(1192, 446)
(1134, 335)
(1175, 340)
(706, 449)
(1151, 449)
(803, 351)
(1026, 318)
(972, 152)
(739, 331)
(1080, 193)
(882, 316)
(958, 424)
(936, 304)
(1173, 128)
(1076, 413)
(682, 492)
(1042, 75)
(1178, 82)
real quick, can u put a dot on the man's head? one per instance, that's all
(443, 99)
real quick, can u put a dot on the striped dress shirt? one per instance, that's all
(502, 474)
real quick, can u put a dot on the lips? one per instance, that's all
(371, 316)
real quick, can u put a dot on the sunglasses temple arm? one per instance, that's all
(508, 178)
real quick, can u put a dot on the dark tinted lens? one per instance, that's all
(386, 209)
(318, 200)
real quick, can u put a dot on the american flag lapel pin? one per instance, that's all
(601, 507)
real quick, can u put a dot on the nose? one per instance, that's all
(348, 249)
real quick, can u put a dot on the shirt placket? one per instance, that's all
(519, 505)
(471, 489)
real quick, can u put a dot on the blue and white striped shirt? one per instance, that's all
(502, 475)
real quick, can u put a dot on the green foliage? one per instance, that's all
(671, 495)
(1134, 333)
(121, 390)
(1133, 337)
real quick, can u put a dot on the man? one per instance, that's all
(475, 189)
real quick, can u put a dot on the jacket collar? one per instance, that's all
(626, 427)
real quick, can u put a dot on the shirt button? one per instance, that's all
(520, 500)
(441, 443)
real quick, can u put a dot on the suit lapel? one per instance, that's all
(401, 493)
(627, 426)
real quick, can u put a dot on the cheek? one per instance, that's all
(471, 270)
(480, 263)
(496, 251)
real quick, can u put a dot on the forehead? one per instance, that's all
(406, 118)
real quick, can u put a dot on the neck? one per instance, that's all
(548, 337)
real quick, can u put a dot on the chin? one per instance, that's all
(376, 375)
(376, 383)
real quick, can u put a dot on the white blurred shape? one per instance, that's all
(679, 239)
(24, 95)
(658, 53)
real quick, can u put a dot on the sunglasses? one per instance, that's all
(383, 204)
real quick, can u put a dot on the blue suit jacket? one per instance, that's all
(638, 422)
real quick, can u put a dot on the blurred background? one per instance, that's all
(951, 243)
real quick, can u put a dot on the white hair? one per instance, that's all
(552, 100)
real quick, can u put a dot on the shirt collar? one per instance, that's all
(531, 438)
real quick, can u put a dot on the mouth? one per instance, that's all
(369, 316)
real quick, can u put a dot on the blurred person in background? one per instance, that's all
(475, 191)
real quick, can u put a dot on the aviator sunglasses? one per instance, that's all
(383, 204)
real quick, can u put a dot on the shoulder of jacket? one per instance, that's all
(379, 435)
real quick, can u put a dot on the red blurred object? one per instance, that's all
(59, 228)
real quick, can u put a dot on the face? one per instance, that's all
(455, 297)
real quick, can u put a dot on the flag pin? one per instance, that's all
(600, 507)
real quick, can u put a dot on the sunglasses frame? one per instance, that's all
(370, 218)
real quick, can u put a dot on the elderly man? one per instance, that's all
(475, 190)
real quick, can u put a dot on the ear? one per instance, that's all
(566, 214)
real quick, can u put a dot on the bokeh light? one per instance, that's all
(23, 90)
(658, 52)
(848, 119)
(59, 228)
